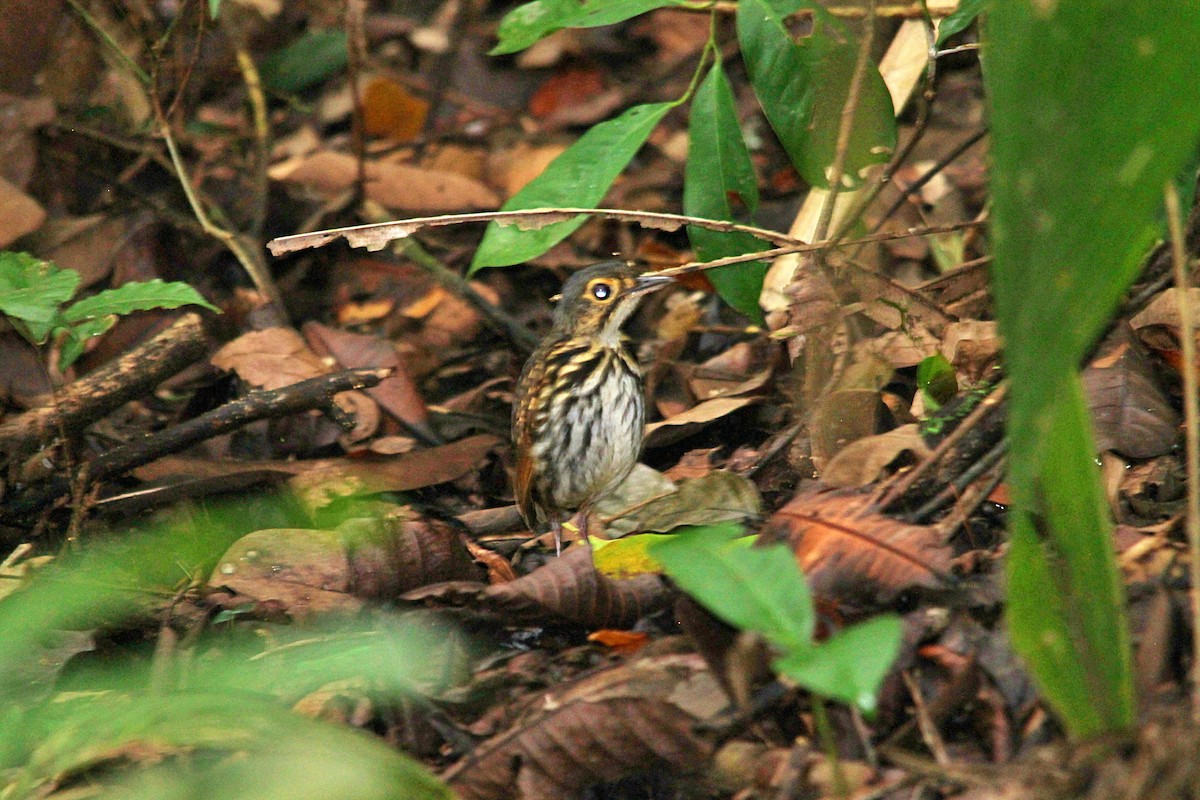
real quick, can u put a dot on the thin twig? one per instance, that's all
(895, 491)
(1191, 421)
(262, 140)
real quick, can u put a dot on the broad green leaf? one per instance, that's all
(32, 290)
(1083, 140)
(187, 743)
(139, 296)
(718, 173)
(960, 19)
(759, 589)
(802, 87)
(305, 62)
(578, 178)
(850, 665)
(527, 23)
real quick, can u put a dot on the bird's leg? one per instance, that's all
(576, 526)
(556, 528)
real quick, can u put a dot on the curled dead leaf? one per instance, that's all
(625, 720)
(567, 589)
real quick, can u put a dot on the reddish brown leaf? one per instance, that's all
(566, 589)
(1130, 414)
(391, 110)
(849, 553)
(397, 394)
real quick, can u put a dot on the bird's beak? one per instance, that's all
(643, 284)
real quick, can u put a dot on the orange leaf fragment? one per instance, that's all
(391, 111)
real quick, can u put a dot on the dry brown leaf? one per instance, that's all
(398, 394)
(851, 554)
(1164, 310)
(390, 110)
(512, 168)
(270, 359)
(399, 187)
(1130, 414)
(971, 346)
(567, 589)
(308, 572)
(19, 213)
(627, 720)
(863, 461)
(694, 419)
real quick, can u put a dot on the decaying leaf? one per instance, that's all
(863, 461)
(1130, 414)
(567, 589)
(720, 496)
(849, 553)
(626, 720)
(312, 571)
(698, 417)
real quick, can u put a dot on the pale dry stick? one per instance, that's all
(376, 235)
(1191, 422)
(827, 244)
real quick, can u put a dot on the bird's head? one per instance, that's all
(597, 300)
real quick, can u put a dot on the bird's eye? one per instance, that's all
(602, 290)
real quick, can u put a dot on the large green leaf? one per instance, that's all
(760, 589)
(1093, 107)
(578, 178)
(803, 88)
(718, 172)
(850, 665)
(32, 290)
(305, 62)
(527, 23)
(138, 296)
(960, 19)
(198, 744)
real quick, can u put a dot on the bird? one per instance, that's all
(579, 408)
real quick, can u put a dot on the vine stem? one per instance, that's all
(1191, 391)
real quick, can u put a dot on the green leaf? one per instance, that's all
(759, 589)
(578, 178)
(960, 19)
(190, 742)
(214, 8)
(937, 379)
(139, 296)
(1084, 137)
(305, 62)
(719, 171)
(803, 86)
(850, 665)
(527, 23)
(32, 290)
(75, 338)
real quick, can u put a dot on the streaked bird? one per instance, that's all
(579, 407)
